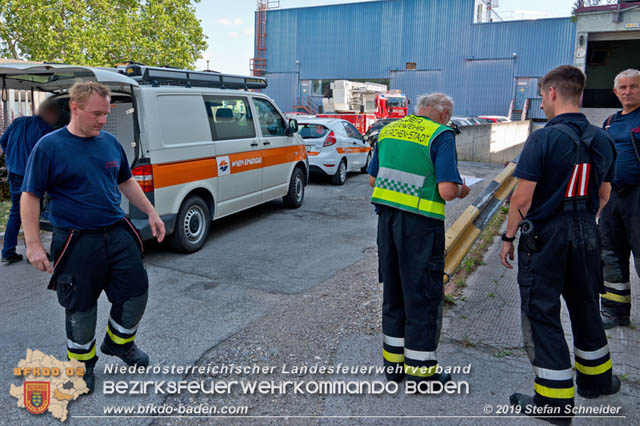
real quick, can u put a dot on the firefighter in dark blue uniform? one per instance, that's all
(620, 219)
(83, 169)
(564, 172)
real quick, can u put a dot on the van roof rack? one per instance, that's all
(158, 76)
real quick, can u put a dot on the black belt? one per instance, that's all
(89, 231)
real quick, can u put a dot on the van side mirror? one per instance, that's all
(293, 127)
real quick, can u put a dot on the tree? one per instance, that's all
(102, 32)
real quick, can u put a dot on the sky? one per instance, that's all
(229, 25)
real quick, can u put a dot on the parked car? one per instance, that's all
(371, 137)
(199, 146)
(462, 121)
(334, 147)
(495, 118)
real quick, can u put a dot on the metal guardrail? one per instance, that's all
(465, 230)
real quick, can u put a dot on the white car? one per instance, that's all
(334, 147)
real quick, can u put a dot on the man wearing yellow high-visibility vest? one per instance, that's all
(413, 172)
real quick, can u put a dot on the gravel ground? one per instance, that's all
(313, 323)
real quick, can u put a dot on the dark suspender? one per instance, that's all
(577, 190)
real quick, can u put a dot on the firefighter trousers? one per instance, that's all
(568, 265)
(411, 265)
(620, 232)
(88, 262)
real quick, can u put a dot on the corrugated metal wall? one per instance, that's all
(416, 83)
(376, 39)
(488, 86)
(283, 88)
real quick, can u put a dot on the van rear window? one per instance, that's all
(312, 131)
(229, 117)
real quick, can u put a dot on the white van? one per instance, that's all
(199, 147)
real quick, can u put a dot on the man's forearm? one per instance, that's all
(516, 207)
(136, 196)
(30, 215)
(604, 194)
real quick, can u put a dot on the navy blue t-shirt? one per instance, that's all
(81, 176)
(20, 138)
(627, 163)
(548, 158)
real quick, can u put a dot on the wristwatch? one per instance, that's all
(507, 239)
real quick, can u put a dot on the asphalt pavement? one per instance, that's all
(275, 287)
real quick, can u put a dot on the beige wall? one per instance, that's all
(492, 143)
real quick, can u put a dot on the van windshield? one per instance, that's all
(312, 131)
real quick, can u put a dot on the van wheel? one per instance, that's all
(295, 195)
(341, 174)
(366, 165)
(192, 226)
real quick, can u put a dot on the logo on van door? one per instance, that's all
(224, 168)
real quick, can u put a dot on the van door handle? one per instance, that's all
(254, 144)
(266, 143)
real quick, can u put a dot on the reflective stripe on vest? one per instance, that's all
(406, 177)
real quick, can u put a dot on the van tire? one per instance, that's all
(341, 174)
(295, 195)
(192, 226)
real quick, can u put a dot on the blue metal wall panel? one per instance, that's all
(534, 109)
(374, 39)
(539, 45)
(283, 88)
(415, 83)
(488, 87)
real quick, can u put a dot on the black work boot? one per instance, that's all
(134, 356)
(89, 379)
(610, 321)
(441, 377)
(437, 377)
(13, 258)
(594, 393)
(528, 407)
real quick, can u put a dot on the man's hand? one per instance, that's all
(464, 191)
(157, 226)
(38, 258)
(507, 250)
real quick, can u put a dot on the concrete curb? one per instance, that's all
(466, 229)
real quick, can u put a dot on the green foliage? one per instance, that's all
(102, 32)
(502, 353)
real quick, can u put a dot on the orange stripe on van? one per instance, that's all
(282, 155)
(184, 171)
(169, 174)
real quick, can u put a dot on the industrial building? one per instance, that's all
(420, 46)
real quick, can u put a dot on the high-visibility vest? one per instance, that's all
(406, 177)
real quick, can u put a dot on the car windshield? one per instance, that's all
(396, 102)
(312, 131)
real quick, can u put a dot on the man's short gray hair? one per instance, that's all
(630, 73)
(437, 101)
